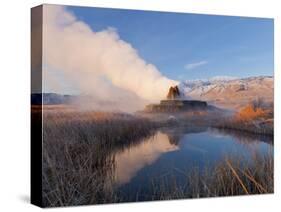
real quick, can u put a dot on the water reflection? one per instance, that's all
(179, 148)
(131, 160)
(177, 133)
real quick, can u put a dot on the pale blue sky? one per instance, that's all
(191, 46)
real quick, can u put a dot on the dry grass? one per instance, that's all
(230, 177)
(238, 176)
(78, 154)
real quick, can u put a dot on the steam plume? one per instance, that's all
(99, 64)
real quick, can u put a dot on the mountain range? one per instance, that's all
(231, 93)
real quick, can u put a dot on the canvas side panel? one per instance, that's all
(36, 105)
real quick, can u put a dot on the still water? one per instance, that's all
(169, 154)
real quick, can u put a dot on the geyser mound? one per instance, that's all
(175, 102)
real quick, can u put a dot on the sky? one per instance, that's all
(190, 46)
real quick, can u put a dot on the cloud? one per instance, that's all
(195, 65)
(97, 63)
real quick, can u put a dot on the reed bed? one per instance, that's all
(78, 157)
(230, 177)
(237, 176)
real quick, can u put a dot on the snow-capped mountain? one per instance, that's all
(230, 92)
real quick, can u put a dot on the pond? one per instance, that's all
(171, 153)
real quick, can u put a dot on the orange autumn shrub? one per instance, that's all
(249, 113)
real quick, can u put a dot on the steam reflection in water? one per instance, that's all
(131, 160)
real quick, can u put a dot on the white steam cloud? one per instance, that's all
(99, 64)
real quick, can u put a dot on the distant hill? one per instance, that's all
(230, 93)
(51, 98)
